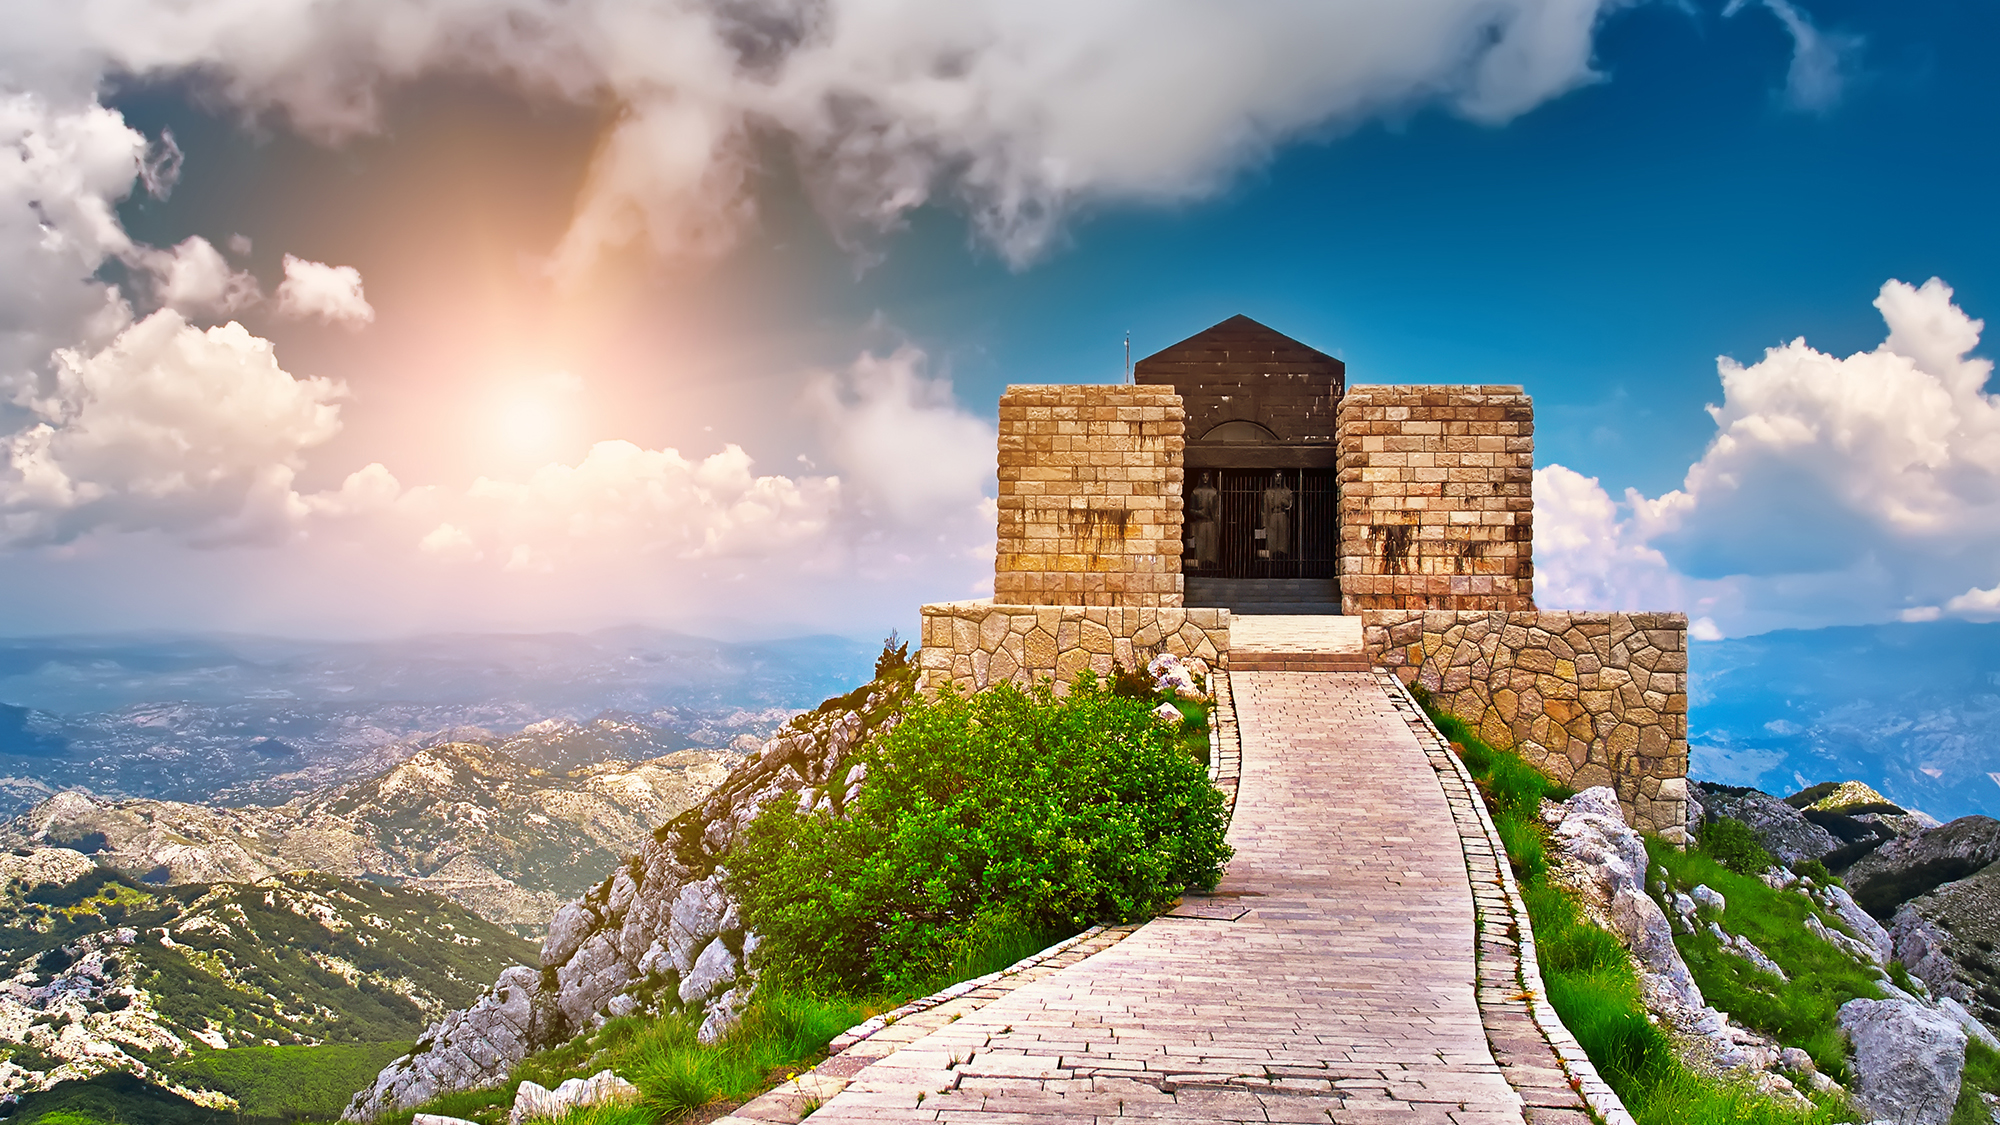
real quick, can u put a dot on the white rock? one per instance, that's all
(1167, 713)
(724, 1013)
(571, 924)
(696, 917)
(439, 1119)
(715, 967)
(1591, 831)
(534, 1102)
(1842, 906)
(1973, 1028)
(1853, 947)
(1743, 947)
(1707, 898)
(1908, 1059)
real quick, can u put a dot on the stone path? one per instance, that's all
(1329, 978)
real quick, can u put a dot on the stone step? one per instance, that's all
(1297, 661)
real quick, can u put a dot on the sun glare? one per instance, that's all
(537, 417)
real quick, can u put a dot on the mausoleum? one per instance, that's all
(1238, 482)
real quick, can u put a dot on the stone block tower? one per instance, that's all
(1090, 496)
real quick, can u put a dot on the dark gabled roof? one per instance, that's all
(1238, 346)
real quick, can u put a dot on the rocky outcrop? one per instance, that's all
(661, 931)
(1908, 1060)
(1949, 938)
(1903, 869)
(1605, 862)
(1782, 829)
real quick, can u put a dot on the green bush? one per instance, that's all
(1004, 813)
(1732, 844)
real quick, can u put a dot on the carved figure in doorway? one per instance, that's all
(1204, 512)
(1277, 512)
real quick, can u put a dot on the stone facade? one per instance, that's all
(1590, 698)
(1090, 496)
(1436, 498)
(977, 644)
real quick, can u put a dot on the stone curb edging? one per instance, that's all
(1604, 1102)
(1225, 742)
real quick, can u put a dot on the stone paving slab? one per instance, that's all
(1304, 633)
(1346, 993)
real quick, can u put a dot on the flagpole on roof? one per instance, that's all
(1128, 357)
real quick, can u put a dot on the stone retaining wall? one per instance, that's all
(976, 644)
(1590, 698)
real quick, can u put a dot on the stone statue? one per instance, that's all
(1204, 511)
(1277, 513)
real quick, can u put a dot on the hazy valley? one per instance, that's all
(1910, 709)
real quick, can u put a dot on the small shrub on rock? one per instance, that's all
(1734, 845)
(985, 818)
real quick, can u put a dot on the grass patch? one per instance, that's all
(1982, 1075)
(1589, 977)
(1800, 1012)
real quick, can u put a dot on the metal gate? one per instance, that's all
(1261, 523)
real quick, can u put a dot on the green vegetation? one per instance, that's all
(1589, 977)
(1800, 1012)
(1732, 844)
(994, 822)
(286, 1082)
(1982, 1075)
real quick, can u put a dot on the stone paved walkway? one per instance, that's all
(1329, 978)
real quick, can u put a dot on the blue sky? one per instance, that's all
(547, 270)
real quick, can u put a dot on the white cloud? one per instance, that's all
(1821, 60)
(1855, 488)
(62, 173)
(194, 280)
(1976, 604)
(1022, 111)
(904, 448)
(1704, 629)
(330, 294)
(168, 427)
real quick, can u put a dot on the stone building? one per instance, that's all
(1239, 475)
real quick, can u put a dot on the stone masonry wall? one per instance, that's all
(1436, 504)
(1590, 698)
(1090, 496)
(976, 644)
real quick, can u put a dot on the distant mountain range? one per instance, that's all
(256, 720)
(1911, 709)
(101, 972)
(508, 830)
